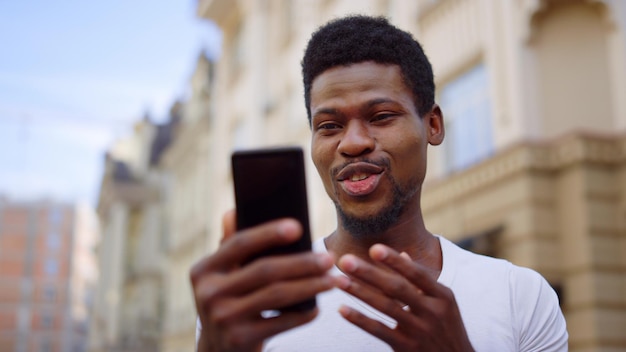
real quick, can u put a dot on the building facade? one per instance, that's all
(129, 305)
(533, 165)
(153, 206)
(186, 207)
(47, 275)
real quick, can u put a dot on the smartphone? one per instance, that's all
(270, 184)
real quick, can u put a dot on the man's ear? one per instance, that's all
(433, 122)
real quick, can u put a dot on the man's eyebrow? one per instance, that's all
(378, 101)
(368, 105)
(326, 111)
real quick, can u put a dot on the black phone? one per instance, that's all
(270, 184)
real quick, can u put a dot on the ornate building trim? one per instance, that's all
(550, 156)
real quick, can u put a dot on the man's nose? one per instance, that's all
(356, 140)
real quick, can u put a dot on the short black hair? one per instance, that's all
(358, 38)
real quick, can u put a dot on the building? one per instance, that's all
(153, 206)
(533, 165)
(129, 304)
(47, 275)
(186, 208)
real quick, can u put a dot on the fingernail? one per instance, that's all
(342, 282)
(344, 311)
(288, 228)
(347, 263)
(324, 261)
(379, 252)
(405, 255)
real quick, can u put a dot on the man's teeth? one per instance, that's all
(358, 177)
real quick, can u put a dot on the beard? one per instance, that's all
(371, 226)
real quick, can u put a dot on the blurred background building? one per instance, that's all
(533, 167)
(47, 275)
(129, 312)
(154, 201)
(190, 188)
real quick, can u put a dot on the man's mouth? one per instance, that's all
(357, 171)
(359, 179)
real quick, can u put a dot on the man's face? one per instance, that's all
(369, 144)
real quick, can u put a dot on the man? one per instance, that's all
(389, 283)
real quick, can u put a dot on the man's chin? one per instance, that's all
(370, 224)
(370, 219)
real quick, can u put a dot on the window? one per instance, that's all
(483, 242)
(23, 318)
(49, 293)
(47, 320)
(53, 241)
(51, 267)
(466, 106)
(45, 346)
(55, 215)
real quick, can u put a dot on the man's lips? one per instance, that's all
(357, 170)
(359, 179)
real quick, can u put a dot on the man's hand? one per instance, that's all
(430, 321)
(230, 297)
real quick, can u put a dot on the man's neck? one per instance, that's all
(409, 236)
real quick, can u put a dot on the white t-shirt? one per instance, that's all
(504, 308)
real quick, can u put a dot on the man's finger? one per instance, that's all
(238, 248)
(377, 298)
(269, 327)
(283, 294)
(374, 327)
(264, 271)
(417, 274)
(392, 285)
(229, 224)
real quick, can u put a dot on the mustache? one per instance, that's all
(382, 162)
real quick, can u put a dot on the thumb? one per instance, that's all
(229, 224)
(405, 255)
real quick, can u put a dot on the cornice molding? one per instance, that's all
(220, 11)
(532, 9)
(549, 156)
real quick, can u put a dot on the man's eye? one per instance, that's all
(381, 117)
(328, 126)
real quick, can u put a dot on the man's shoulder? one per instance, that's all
(490, 268)
(462, 257)
(490, 289)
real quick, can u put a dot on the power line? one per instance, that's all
(7, 116)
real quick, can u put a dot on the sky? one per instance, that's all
(76, 75)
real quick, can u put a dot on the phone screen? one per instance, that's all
(270, 184)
